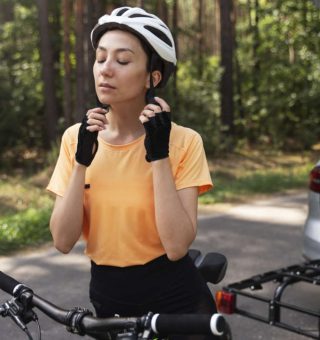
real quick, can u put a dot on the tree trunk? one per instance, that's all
(6, 12)
(256, 45)
(47, 58)
(80, 104)
(237, 72)
(111, 5)
(227, 46)
(175, 30)
(217, 44)
(89, 53)
(67, 82)
(200, 37)
(162, 11)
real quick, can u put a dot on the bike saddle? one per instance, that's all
(212, 266)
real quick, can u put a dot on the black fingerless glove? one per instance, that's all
(157, 136)
(87, 144)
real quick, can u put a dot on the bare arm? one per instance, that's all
(176, 211)
(67, 216)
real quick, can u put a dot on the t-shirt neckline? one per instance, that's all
(121, 146)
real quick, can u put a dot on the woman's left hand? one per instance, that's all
(157, 124)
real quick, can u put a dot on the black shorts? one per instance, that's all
(160, 286)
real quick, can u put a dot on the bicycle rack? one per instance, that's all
(308, 272)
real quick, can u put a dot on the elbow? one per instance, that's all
(62, 242)
(174, 257)
(176, 253)
(62, 247)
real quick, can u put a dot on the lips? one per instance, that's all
(106, 86)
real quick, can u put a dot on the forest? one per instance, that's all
(248, 73)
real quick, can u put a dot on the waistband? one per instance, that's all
(159, 263)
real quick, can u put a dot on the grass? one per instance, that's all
(25, 206)
(25, 229)
(25, 209)
(241, 177)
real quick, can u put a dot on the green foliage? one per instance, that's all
(20, 88)
(280, 83)
(27, 228)
(25, 208)
(198, 106)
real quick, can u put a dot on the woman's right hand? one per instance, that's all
(93, 122)
(96, 119)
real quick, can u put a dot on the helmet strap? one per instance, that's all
(151, 91)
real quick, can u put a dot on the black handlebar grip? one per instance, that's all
(8, 283)
(188, 324)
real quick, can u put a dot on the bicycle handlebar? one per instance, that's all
(8, 283)
(188, 324)
(82, 322)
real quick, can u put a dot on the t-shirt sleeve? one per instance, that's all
(62, 171)
(193, 168)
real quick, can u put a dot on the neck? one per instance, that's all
(124, 124)
(124, 117)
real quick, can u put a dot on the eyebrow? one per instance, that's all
(121, 49)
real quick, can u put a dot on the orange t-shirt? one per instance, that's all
(119, 218)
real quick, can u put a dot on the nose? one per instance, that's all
(106, 68)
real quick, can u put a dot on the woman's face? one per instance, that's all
(120, 68)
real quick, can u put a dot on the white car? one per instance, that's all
(311, 234)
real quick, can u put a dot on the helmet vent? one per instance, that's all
(125, 9)
(140, 16)
(159, 34)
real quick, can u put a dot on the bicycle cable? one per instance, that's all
(39, 329)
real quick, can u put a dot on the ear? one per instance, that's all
(156, 78)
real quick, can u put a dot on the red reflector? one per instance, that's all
(314, 183)
(225, 301)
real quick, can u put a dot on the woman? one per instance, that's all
(127, 179)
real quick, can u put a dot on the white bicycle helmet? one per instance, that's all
(147, 27)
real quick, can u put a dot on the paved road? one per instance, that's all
(256, 237)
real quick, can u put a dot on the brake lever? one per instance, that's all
(16, 311)
(13, 309)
